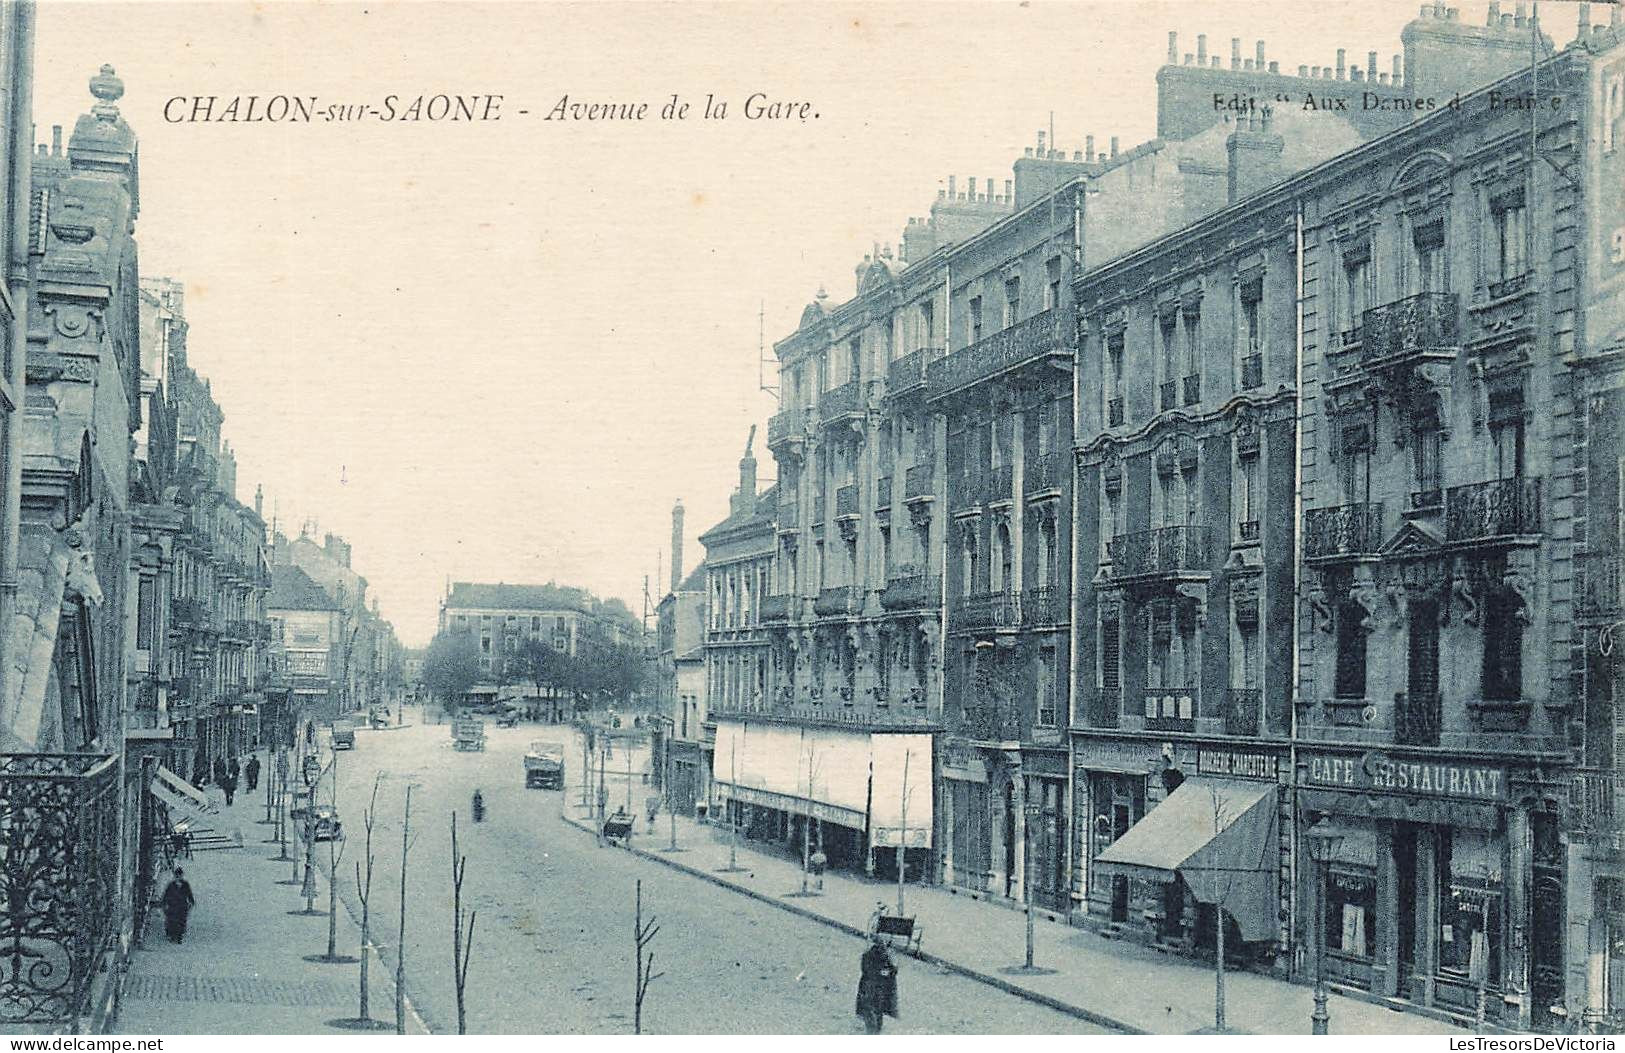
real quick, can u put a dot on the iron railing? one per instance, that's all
(846, 500)
(1035, 339)
(838, 402)
(1417, 719)
(1168, 395)
(814, 713)
(918, 481)
(968, 489)
(987, 722)
(1252, 372)
(1502, 506)
(776, 608)
(1415, 325)
(987, 610)
(1508, 286)
(1241, 716)
(786, 424)
(59, 886)
(908, 589)
(836, 600)
(908, 373)
(1044, 473)
(1043, 605)
(1166, 550)
(1342, 530)
(1002, 486)
(1597, 804)
(1604, 592)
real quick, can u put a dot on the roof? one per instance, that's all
(762, 514)
(294, 590)
(504, 597)
(695, 582)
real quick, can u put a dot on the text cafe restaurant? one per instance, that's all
(1439, 884)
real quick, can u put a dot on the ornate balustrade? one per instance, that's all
(908, 589)
(784, 425)
(776, 608)
(987, 610)
(919, 481)
(1044, 473)
(1166, 550)
(908, 374)
(1252, 372)
(837, 600)
(842, 401)
(1417, 325)
(1417, 719)
(1037, 338)
(1342, 530)
(1043, 605)
(846, 500)
(1492, 509)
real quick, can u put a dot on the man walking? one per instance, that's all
(229, 783)
(253, 772)
(177, 903)
(877, 986)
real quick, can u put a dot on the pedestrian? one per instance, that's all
(177, 903)
(200, 774)
(219, 770)
(234, 769)
(877, 986)
(817, 863)
(229, 784)
(253, 772)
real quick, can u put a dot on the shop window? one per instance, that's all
(1351, 906)
(1349, 678)
(1503, 647)
(1470, 906)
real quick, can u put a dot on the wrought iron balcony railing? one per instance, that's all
(1492, 509)
(1604, 593)
(839, 402)
(1499, 290)
(1043, 605)
(1193, 389)
(1241, 711)
(776, 608)
(1033, 340)
(1044, 473)
(883, 492)
(59, 883)
(1597, 804)
(968, 489)
(908, 374)
(1252, 372)
(1417, 719)
(1342, 530)
(1247, 530)
(784, 425)
(987, 610)
(1417, 325)
(1114, 412)
(1352, 337)
(919, 481)
(846, 501)
(1166, 550)
(836, 600)
(908, 590)
(987, 722)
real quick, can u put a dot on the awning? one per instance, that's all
(184, 801)
(1221, 836)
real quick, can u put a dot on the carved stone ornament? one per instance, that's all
(73, 320)
(1365, 594)
(81, 571)
(919, 515)
(1522, 585)
(1398, 603)
(848, 529)
(1320, 609)
(1196, 594)
(1463, 593)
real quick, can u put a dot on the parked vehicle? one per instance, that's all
(326, 826)
(508, 718)
(544, 766)
(344, 735)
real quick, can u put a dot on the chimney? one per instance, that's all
(259, 501)
(1235, 52)
(1114, 146)
(1088, 148)
(1341, 59)
(677, 545)
(1173, 48)
(1258, 55)
(1254, 159)
(1201, 49)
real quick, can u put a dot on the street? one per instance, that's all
(553, 939)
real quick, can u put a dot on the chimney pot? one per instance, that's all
(1214, 62)
(1356, 73)
(1029, 151)
(1382, 78)
(1247, 64)
(1303, 71)
(1370, 65)
(1275, 67)
(1009, 190)
(1201, 49)
(1258, 54)
(951, 185)
(1341, 59)
(1495, 14)
(1506, 21)
(1114, 146)
(970, 187)
(1188, 58)
(1173, 47)
(1235, 52)
(1452, 14)
(1089, 147)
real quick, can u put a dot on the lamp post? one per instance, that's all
(1033, 811)
(1324, 841)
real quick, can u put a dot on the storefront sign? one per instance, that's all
(1377, 772)
(1237, 765)
(887, 837)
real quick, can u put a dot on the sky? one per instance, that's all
(500, 351)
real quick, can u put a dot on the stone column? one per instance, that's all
(1427, 915)
(1515, 884)
(1385, 972)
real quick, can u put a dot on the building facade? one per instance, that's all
(685, 733)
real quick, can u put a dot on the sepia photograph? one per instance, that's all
(1094, 517)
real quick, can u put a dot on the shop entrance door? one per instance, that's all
(1546, 919)
(1405, 867)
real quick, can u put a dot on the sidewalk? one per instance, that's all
(1110, 982)
(241, 969)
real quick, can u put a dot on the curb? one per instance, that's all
(373, 947)
(852, 930)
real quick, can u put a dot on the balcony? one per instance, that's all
(1167, 395)
(1037, 339)
(1193, 389)
(987, 610)
(790, 712)
(1597, 805)
(1506, 287)
(1044, 473)
(1241, 711)
(883, 492)
(837, 601)
(1114, 412)
(1342, 531)
(1003, 485)
(846, 501)
(1252, 372)
(1415, 327)
(776, 609)
(1171, 708)
(1043, 605)
(839, 403)
(907, 375)
(1351, 337)
(1494, 509)
(919, 483)
(969, 489)
(987, 722)
(909, 590)
(60, 884)
(1417, 720)
(783, 427)
(1161, 552)
(1604, 591)
(184, 613)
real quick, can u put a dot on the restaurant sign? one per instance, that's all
(1237, 765)
(1377, 772)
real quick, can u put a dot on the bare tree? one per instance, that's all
(642, 936)
(400, 940)
(363, 885)
(462, 938)
(335, 852)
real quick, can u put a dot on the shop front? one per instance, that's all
(1426, 897)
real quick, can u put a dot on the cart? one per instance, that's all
(468, 733)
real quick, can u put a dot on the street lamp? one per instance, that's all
(1033, 811)
(1324, 841)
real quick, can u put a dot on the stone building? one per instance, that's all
(687, 732)
(309, 628)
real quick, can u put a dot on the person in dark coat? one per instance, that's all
(233, 769)
(229, 784)
(177, 902)
(877, 986)
(253, 772)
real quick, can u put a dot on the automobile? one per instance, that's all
(344, 735)
(326, 825)
(508, 717)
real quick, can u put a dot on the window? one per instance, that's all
(1193, 344)
(968, 585)
(1170, 366)
(1046, 688)
(1351, 905)
(1354, 467)
(485, 644)
(928, 322)
(1252, 333)
(1110, 526)
(1006, 552)
(1012, 301)
(1111, 671)
(1114, 379)
(1359, 290)
(885, 552)
(1470, 906)
(1506, 434)
(1247, 630)
(998, 456)
(854, 360)
(146, 613)
(1428, 273)
(975, 310)
(818, 565)
(1052, 290)
(1426, 439)
(1349, 676)
(1248, 498)
(1503, 647)
(1510, 252)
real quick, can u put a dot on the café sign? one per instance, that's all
(1377, 772)
(1237, 765)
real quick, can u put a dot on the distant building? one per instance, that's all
(309, 625)
(686, 732)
